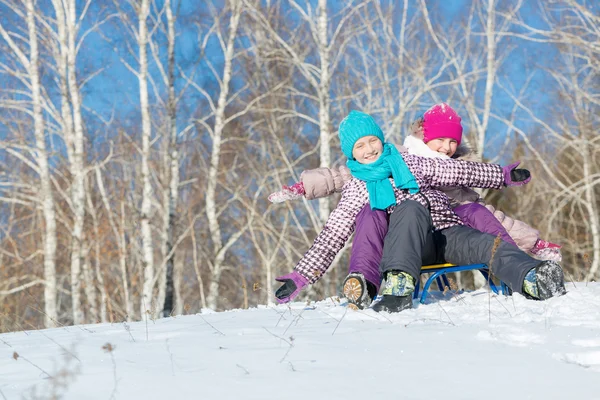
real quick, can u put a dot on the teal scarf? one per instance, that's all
(377, 174)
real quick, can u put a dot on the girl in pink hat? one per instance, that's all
(438, 134)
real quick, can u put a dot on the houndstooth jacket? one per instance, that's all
(429, 173)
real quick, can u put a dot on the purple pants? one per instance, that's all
(372, 226)
(478, 217)
(367, 247)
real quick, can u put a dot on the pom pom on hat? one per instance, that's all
(441, 121)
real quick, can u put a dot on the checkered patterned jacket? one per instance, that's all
(429, 173)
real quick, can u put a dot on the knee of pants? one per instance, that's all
(410, 210)
(411, 207)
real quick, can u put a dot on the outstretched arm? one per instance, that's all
(327, 244)
(314, 184)
(440, 173)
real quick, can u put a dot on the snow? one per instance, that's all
(458, 346)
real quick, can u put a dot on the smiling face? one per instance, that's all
(367, 149)
(445, 146)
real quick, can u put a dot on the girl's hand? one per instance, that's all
(296, 191)
(514, 176)
(293, 283)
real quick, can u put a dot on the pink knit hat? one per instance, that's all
(441, 121)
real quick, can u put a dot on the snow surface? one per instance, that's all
(468, 346)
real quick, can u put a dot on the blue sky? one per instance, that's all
(114, 93)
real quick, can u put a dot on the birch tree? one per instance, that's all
(31, 80)
(576, 28)
(142, 37)
(147, 191)
(67, 26)
(573, 27)
(171, 191)
(219, 247)
(475, 63)
(323, 92)
(314, 55)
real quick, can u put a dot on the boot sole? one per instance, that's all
(353, 291)
(394, 304)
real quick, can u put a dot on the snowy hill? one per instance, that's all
(468, 346)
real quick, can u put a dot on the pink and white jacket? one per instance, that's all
(323, 182)
(429, 174)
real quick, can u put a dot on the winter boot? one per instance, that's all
(397, 292)
(544, 281)
(358, 291)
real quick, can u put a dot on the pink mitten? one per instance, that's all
(544, 250)
(296, 191)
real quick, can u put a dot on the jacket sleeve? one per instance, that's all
(336, 232)
(437, 172)
(460, 195)
(323, 182)
(524, 235)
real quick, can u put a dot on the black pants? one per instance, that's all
(411, 243)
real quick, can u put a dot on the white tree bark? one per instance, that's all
(173, 167)
(77, 166)
(102, 314)
(178, 266)
(324, 101)
(203, 303)
(478, 279)
(50, 288)
(217, 137)
(147, 192)
(90, 290)
(62, 60)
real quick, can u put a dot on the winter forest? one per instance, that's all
(139, 139)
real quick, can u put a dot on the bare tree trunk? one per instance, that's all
(478, 279)
(197, 269)
(77, 167)
(211, 204)
(90, 290)
(173, 154)
(50, 288)
(324, 101)
(123, 263)
(178, 263)
(244, 285)
(62, 60)
(99, 277)
(324, 118)
(147, 192)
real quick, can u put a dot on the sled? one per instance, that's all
(438, 273)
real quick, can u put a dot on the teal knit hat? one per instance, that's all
(355, 126)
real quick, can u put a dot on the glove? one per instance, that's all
(543, 244)
(293, 283)
(547, 251)
(296, 191)
(514, 176)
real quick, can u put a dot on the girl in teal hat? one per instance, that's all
(422, 227)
